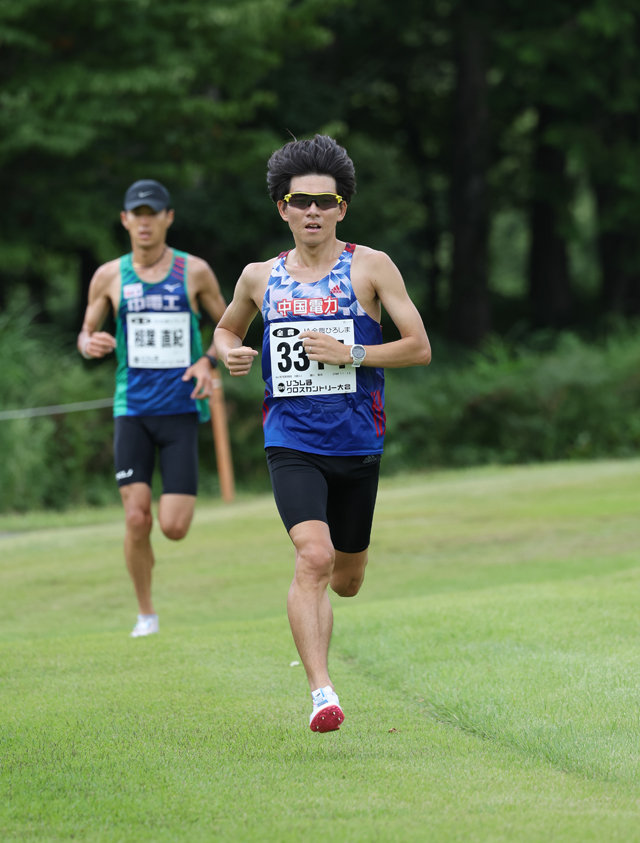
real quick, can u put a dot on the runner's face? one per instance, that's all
(310, 225)
(146, 227)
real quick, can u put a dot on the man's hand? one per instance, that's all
(201, 371)
(239, 360)
(323, 348)
(98, 344)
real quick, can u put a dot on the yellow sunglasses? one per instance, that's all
(324, 201)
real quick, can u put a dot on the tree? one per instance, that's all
(453, 111)
(382, 87)
(97, 94)
(575, 68)
(469, 318)
(550, 290)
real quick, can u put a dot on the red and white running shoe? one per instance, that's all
(327, 714)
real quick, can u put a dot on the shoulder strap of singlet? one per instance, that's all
(127, 274)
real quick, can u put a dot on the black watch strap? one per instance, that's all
(213, 360)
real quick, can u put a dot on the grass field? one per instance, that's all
(489, 672)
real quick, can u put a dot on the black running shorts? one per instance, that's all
(341, 491)
(175, 438)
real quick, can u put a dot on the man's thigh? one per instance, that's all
(134, 451)
(340, 491)
(299, 486)
(351, 501)
(176, 438)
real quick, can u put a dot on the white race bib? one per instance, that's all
(158, 340)
(293, 374)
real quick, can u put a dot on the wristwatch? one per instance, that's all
(213, 360)
(358, 353)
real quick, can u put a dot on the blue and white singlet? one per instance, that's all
(320, 409)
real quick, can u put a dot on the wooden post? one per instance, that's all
(221, 438)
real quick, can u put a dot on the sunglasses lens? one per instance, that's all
(324, 201)
(299, 200)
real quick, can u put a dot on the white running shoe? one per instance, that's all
(327, 714)
(146, 625)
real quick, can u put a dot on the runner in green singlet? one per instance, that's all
(163, 379)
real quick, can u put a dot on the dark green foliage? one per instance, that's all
(570, 399)
(575, 400)
(55, 460)
(97, 94)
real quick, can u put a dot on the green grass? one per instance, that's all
(489, 672)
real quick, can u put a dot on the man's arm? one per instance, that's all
(205, 290)
(413, 347)
(378, 282)
(232, 328)
(92, 342)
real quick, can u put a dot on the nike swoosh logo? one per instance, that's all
(145, 194)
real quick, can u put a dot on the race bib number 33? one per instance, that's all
(158, 340)
(292, 372)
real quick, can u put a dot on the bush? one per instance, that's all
(509, 405)
(56, 460)
(504, 404)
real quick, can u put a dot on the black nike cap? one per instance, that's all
(147, 192)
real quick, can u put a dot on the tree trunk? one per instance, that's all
(428, 240)
(550, 295)
(469, 311)
(620, 291)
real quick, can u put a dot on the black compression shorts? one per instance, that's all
(341, 491)
(136, 440)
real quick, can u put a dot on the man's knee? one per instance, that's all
(175, 530)
(347, 586)
(138, 522)
(315, 559)
(348, 573)
(175, 513)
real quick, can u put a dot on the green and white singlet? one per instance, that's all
(157, 338)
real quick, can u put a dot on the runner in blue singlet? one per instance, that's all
(322, 360)
(354, 421)
(163, 379)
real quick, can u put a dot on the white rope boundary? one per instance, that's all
(56, 409)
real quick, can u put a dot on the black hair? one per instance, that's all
(321, 156)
